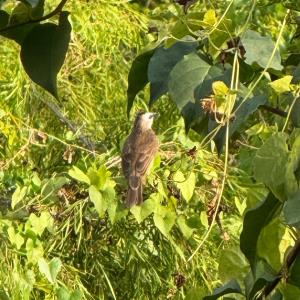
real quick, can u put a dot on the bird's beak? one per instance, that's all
(155, 115)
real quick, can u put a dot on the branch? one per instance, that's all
(57, 10)
(276, 111)
(291, 257)
(85, 140)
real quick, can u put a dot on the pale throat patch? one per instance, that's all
(146, 120)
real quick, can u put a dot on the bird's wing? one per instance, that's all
(126, 159)
(146, 155)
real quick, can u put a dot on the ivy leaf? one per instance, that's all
(230, 287)
(187, 74)
(137, 77)
(164, 222)
(259, 49)
(232, 264)
(254, 221)
(291, 210)
(4, 18)
(39, 224)
(294, 277)
(43, 52)
(186, 185)
(50, 270)
(263, 275)
(15, 238)
(271, 159)
(18, 195)
(141, 212)
(77, 174)
(281, 85)
(184, 228)
(161, 64)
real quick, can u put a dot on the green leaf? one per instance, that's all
(50, 270)
(273, 241)
(43, 52)
(77, 174)
(164, 222)
(141, 212)
(294, 277)
(295, 114)
(53, 185)
(137, 77)
(185, 185)
(230, 287)
(15, 237)
(187, 74)
(18, 195)
(259, 49)
(263, 275)
(63, 294)
(296, 75)
(291, 210)
(39, 224)
(270, 162)
(4, 18)
(98, 200)
(281, 85)
(34, 250)
(184, 228)
(232, 264)
(161, 64)
(254, 221)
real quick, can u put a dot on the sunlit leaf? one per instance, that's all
(186, 184)
(282, 85)
(230, 287)
(77, 174)
(18, 195)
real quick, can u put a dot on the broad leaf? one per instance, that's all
(137, 77)
(15, 237)
(282, 85)
(259, 50)
(50, 270)
(232, 264)
(18, 195)
(263, 275)
(161, 64)
(291, 210)
(184, 228)
(44, 50)
(254, 221)
(4, 18)
(270, 162)
(77, 174)
(97, 199)
(141, 212)
(185, 77)
(164, 222)
(186, 184)
(230, 287)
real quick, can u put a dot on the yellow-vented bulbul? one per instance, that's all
(137, 155)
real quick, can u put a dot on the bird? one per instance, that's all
(138, 153)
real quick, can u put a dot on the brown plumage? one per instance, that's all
(137, 155)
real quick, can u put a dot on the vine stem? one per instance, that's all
(57, 10)
(289, 112)
(231, 100)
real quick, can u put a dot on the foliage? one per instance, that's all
(220, 214)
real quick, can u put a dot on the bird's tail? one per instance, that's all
(135, 191)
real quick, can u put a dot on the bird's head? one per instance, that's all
(144, 120)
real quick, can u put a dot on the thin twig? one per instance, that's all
(57, 10)
(85, 140)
